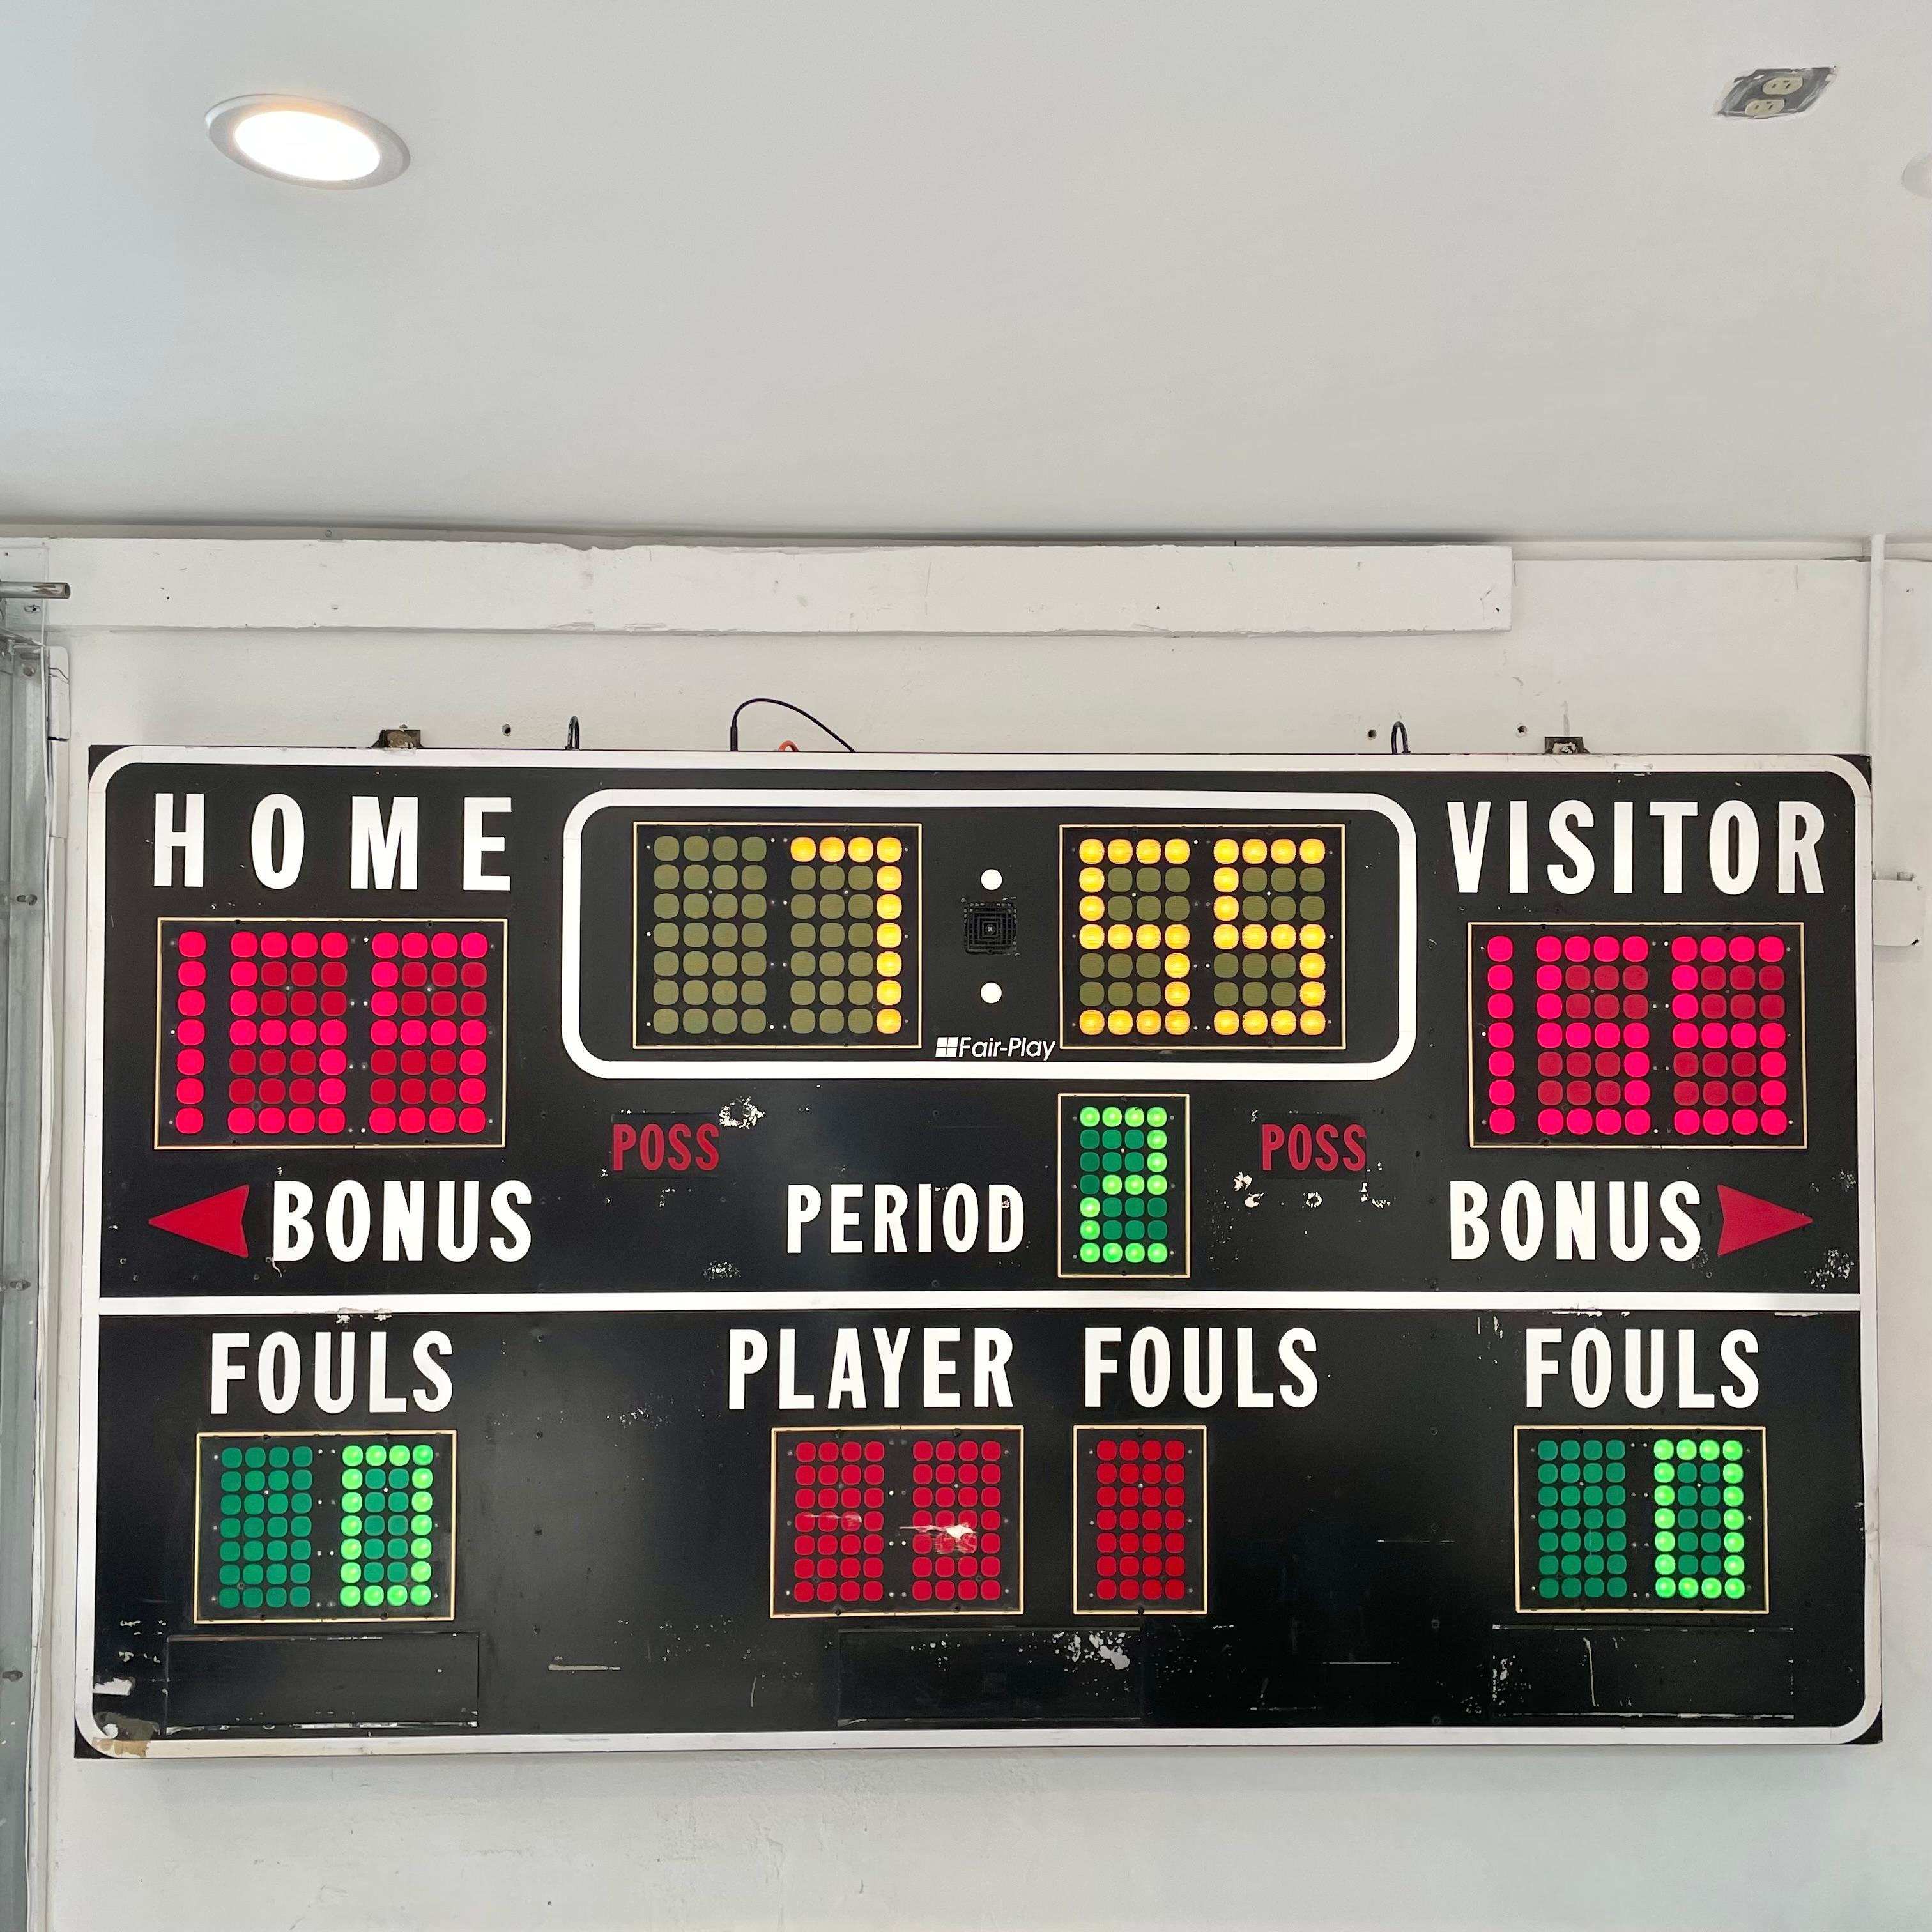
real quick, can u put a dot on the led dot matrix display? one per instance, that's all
(378, 1032)
(1591, 1035)
(1140, 1513)
(1124, 1188)
(318, 1528)
(1203, 936)
(1645, 1519)
(896, 1522)
(777, 934)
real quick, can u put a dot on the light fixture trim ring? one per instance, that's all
(226, 117)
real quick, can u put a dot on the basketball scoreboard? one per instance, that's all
(937, 1249)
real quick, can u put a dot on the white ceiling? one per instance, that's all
(1076, 266)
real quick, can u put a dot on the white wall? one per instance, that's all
(1754, 656)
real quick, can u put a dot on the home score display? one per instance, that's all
(614, 1251)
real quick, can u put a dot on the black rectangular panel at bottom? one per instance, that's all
(1556, 1674)
(990, 1677)
(1350, 1559)
(394, 1678)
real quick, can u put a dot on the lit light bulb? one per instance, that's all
(311, 147)
(309, 142)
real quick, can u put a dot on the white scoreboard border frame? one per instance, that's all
(1686, 1735)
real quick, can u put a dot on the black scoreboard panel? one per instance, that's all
(611, 1252)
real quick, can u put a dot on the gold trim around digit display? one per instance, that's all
(1103, 1274)
(1600, 1141)
(801, 1615)
(758, 1043)
(367, 1143)
(1582, 1609)
(314, 1435)
(1156, 1046)
(1117, 1611)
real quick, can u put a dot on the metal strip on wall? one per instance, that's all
(27, 670)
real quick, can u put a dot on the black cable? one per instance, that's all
(785, 704)
(1398, 737)
(573, 739)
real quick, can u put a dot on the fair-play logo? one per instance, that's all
(971, 1046)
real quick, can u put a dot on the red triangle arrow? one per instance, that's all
(1747, 1220)
(215, 1221)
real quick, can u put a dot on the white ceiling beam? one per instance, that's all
(956, 589)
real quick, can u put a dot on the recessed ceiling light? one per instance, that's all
(1917, 174)
(311, 142)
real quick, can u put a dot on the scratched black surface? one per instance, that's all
(595, 1231)
(612, 1513)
